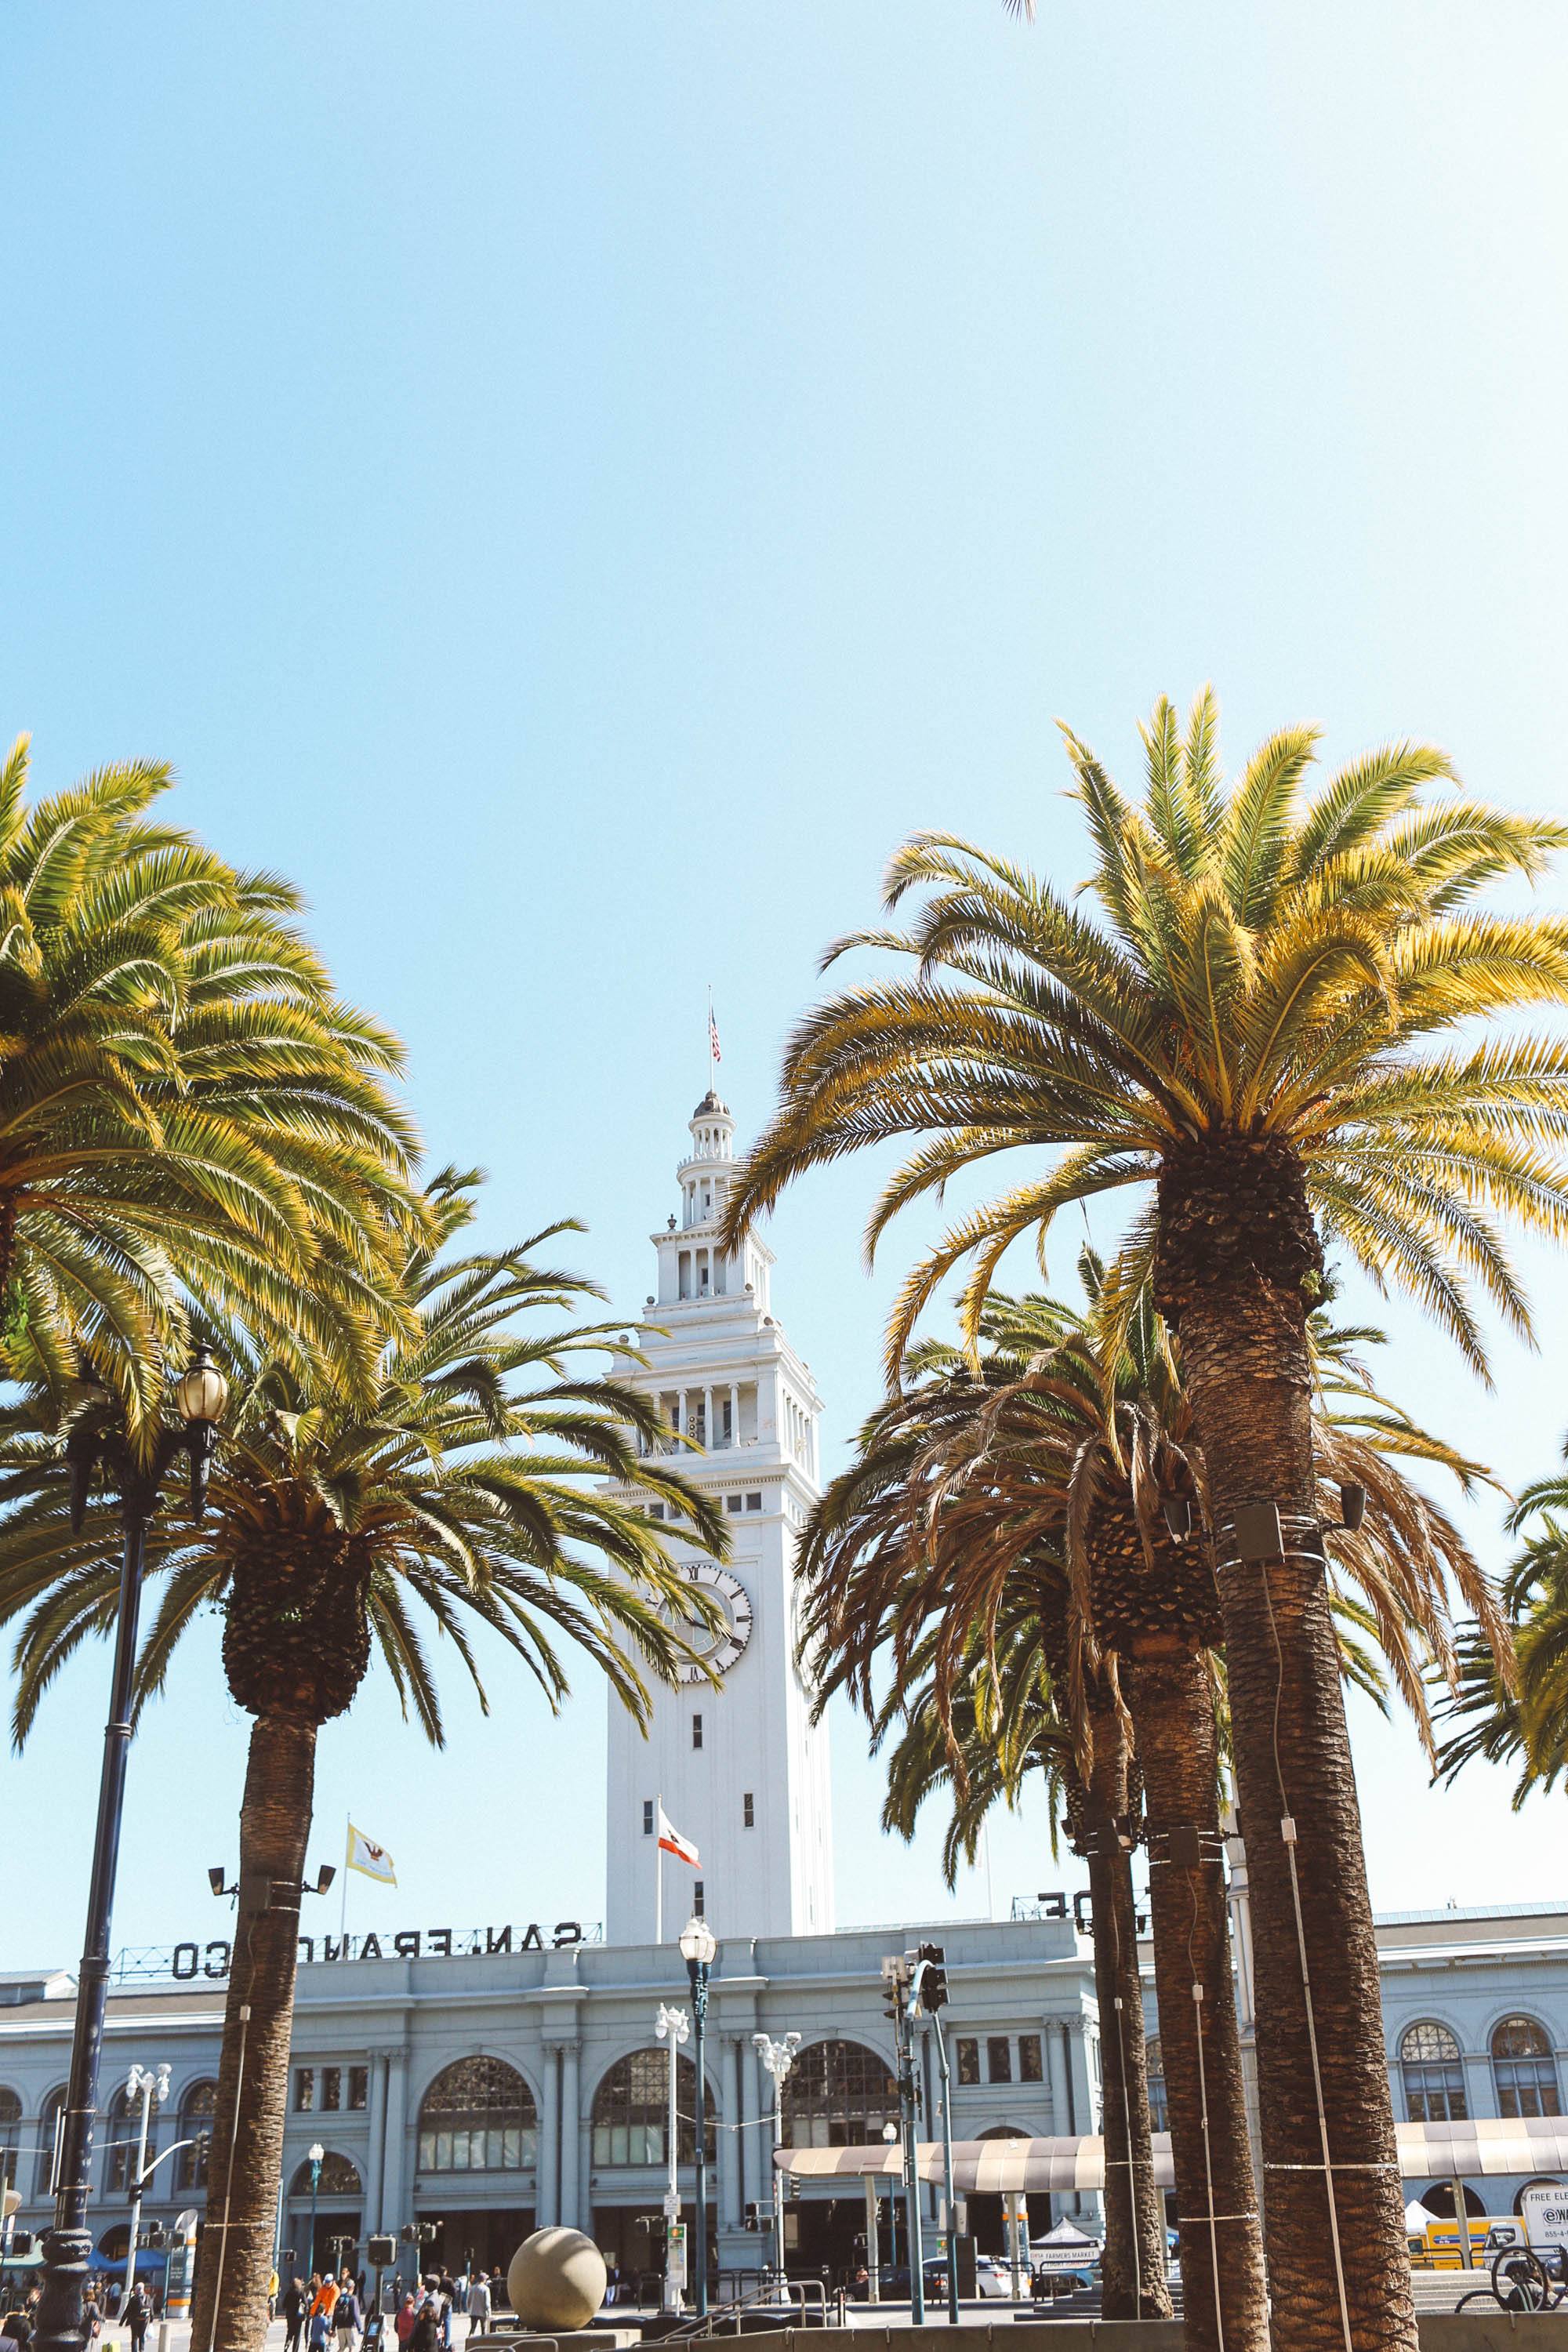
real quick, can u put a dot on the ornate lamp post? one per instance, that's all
(778, 2057)
(698, 1948)
(672, 2025)
(141, 2083)
(314, 2153)
(98, 1441)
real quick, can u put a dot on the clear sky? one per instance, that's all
(575, 486)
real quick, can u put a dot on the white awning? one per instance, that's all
(980, 2166)
(1486, 2143)
(1462, 2151)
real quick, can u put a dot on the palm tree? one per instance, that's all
(980, 1736)
(1526, 1724)
(459, 1491)
(184, 1101)
(1251, 1019)
(863, 1565)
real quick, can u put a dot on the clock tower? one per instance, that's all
(742, 1771)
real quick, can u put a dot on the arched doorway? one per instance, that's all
(838, 2095)
(477, 2157)
(339, 2203)
(627, 2151)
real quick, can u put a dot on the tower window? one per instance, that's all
(968, 2062)
(998, 2058)
(647, 1817)
(753, 1502)
(697, 1898)
(732, 1504)
(748, 1811)
(697, 1732)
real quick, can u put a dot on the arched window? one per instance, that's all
(631, 2109)
(10, 2118)
(837, 2095)
(198, 2105)
(339, 2178)
(123, 2134)
(478, 2117)
(1154, 2059)
(1434, 2075)
(1523, 2069)
(48, 2124)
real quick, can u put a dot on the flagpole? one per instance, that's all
(348, 1850)
(659, 1873)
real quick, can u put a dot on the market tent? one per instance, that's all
(1067, 2234)
(1415, 2220)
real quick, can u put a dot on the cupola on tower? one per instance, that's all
(741, 1769)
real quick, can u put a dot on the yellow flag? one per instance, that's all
(372, 1859)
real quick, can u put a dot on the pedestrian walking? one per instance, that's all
(138, 2316)
(478, 2302)
(347, 2315)
(295, 2305)
(407, 2312)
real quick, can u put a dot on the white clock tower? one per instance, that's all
(742, 1771)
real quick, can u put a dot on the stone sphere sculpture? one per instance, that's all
(556, 2279)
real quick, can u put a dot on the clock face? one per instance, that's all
(721, 1648)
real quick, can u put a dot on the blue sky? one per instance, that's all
(574, 487)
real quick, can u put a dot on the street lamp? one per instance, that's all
(315, 2153)
(98, 1441)
(672, 2025)
(141, 2083)
(778, 2057)
(698, 1948)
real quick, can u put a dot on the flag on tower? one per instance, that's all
(372, 1859)
(714, 1035)
(671, 1841)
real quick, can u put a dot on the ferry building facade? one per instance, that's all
(489, 2081)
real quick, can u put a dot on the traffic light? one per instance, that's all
(895, 1988)
(751, 2219)
(933, 1977)
(381, 2252)
(21, 2243)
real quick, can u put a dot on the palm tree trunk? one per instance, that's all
(1225, 2302)
(1133, 2272)
(253, 2074)
(1244, 1356)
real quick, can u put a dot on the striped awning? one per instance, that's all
(1485, 2144)
(979, 2166)
(1450, 2151)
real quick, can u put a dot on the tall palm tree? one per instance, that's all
(982, 1737)
(1253, 1017)
(1526, 1724)
(865, 1572)
(184, 1100)
(459, 1490)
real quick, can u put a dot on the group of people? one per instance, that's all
(103, 2301)
(328, 2315)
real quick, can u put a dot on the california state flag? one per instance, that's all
(671, 1840)
(373, 1860)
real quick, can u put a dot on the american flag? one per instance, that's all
(713, 1036)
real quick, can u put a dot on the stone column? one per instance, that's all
(571, 2136)
(375, 2175)
(728, 2106)
(549, 2199)
(734, 1412)
(710, 1435)
(759, 2139)
(1085, 2121)
(396, 2191)
(1056, 2074)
